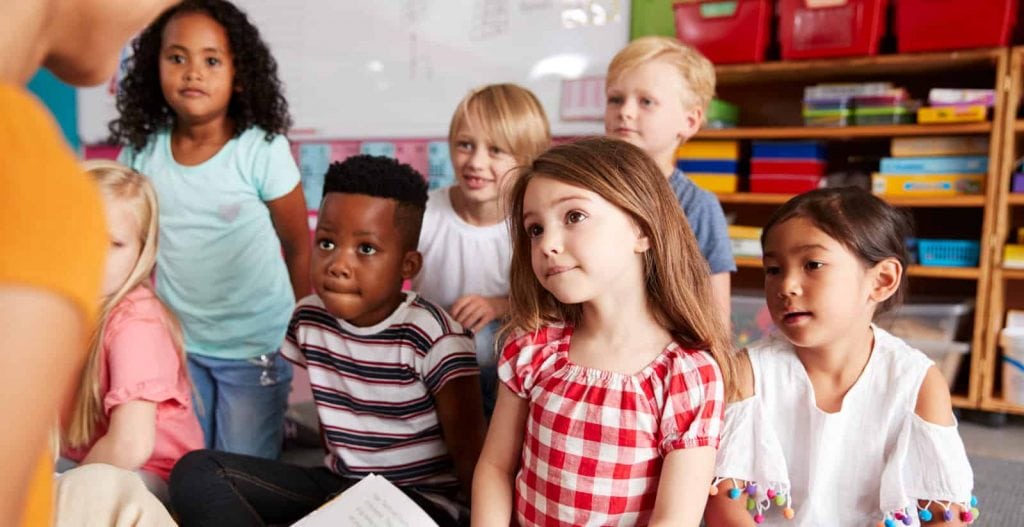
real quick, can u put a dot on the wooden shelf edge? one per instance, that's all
(1012, 274)
(961, 273)
(753, 198)
(1015, 199)
(843, 132)
(1000, 405)
(737, 73)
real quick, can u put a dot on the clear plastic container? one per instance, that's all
(750, 317)
(932, 321)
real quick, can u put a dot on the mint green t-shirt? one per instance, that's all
(219, 264)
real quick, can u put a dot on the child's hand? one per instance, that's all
(475, 311)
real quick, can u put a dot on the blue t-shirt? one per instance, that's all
(707, 220)
(219, 265)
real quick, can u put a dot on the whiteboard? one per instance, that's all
(398, 68)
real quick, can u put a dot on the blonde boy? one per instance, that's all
(658, 92)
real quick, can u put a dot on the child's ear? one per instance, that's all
(643, 242)
(887, 276)
(692, 122)
(412, 262)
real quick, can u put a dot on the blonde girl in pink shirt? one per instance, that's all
(133, 407)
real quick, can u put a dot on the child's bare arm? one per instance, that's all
(723, 511)
(935, 406)
(683, 487)
(493, 492)
(289, 215)
(460, 410)
(130, 437)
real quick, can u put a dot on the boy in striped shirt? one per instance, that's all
(394, 377)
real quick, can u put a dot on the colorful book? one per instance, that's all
(934, 165)
(939, 146)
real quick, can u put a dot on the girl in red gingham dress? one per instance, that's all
(617, 363)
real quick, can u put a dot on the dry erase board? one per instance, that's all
(397, 68)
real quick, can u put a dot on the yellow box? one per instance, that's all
(1013, 256)
(709, 150)
(952, 114)
(745, 231)
(927, 184)
(717, 183)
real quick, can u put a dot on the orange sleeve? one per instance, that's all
(53, 234)
(52, 228)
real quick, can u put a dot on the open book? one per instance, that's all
(373, 502)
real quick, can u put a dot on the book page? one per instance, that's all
(373, 502)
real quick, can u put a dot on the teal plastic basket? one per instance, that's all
(948, 253)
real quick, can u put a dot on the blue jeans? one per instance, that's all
(242, 402)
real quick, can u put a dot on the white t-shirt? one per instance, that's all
(855, 467)
(458, 258)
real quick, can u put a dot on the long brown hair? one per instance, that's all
(118, 182)
(676, 274)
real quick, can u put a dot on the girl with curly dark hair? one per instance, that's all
(203, 115)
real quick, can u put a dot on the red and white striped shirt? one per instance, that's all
(595, 440)
(374, 389)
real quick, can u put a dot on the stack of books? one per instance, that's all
(710, 164)
(786, 167)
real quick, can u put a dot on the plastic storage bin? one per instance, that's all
(932, 25)
(726, 32)
(948, 253)
(830, 28)
(750, 317)
(1012, 342)
(932, 328)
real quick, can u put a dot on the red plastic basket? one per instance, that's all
(830, 28)
(933, 25)
(726, 32)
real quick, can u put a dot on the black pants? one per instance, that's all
(219, 489)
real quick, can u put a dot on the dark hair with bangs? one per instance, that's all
(869, 227)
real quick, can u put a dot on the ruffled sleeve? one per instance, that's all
(142, 359)
(751, 457)
(527, 355)
(694, 402)
(929, 464)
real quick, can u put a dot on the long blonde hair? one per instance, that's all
(118, 182)
(510, 116)
(676, 275)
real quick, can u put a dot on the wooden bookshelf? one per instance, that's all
(752, 198)
(844, 132)
(811, 71)
(769, 96)
(957, 273)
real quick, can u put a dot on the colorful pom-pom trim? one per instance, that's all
(760, 498)
(968, 514)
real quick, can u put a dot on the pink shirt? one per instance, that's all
(141, 363)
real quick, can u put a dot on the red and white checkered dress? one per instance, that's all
(595, 440)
